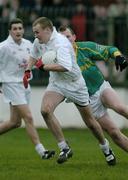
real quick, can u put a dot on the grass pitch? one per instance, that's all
(19, 161)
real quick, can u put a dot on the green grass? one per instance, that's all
(19, 161)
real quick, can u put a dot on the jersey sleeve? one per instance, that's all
(64, 57)
(98, 52)
(35, 52)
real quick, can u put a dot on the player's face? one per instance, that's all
(43, 35)
(17, 32)
(69, 35)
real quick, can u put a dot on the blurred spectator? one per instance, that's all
(102, 3)
(58, 3)
(90, 20)
(27, 4)
(75, 2)
(14, 7)
(118, 13)
(78, 22)
(6, 14)
(4, 2)
(101, 24)
(61, 21)
(48, 2)
(117, 8)
(38, 5)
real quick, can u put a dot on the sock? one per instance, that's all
(63, 145)
(105, 147)
(40, 149)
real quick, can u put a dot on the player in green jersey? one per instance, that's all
(102, 95)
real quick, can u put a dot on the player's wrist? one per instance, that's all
(27, 70)
(117, 53)
(27, 73)
(41, 67)
(39, 64)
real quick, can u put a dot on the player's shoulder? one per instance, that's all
(85, 43)
(62, 40)
(4, 44)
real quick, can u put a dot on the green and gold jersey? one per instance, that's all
(87, 53)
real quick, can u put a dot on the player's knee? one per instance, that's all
(45, 112)
(28, 118)
(91, 126)
(16, 124)
(120, 109)
(115, 133)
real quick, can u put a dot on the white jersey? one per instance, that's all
(13, 59)
(65, 57)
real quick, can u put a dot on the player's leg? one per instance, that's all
(50, 101)
(91, 123)
(110, 99)
(110, 127)
(12, 123)
(26, 114)
(96, 129)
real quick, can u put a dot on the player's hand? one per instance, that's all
(27, 75)
(39, 64)
(120, 63)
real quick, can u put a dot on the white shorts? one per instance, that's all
(75, 91)
(97, 107)
(15, 93)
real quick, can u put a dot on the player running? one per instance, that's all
(65, 81)
(14, 52)
(102, 95)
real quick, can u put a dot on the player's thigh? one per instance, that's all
(85, 111)
(106, 123)
(110, 98)
(51, 100)
(14, 114)
(24, 111)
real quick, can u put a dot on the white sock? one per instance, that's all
(63, 145)
(40, 149)
(105, 147)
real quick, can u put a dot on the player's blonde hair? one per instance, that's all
(44, 23)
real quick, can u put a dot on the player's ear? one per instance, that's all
(74, 36)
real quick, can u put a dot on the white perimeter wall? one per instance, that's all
(66, 112)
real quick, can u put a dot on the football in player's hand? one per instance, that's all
(49, 57)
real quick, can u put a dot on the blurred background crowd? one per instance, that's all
(105, 22)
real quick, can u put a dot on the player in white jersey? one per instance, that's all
(14, 52)
(66, 81)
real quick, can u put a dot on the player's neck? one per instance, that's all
(18, 42)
